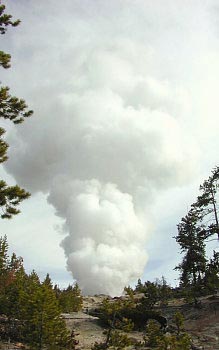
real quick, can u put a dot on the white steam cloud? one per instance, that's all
(100, 156)
(105, 234)
(107, 134)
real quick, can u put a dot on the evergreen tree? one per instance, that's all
(115, 340)
(139, 288)
(70, 299)
(153, 335)
(5, 21)
(15, 110)
(156, 339)
(212, 273)
(194, 231)
(31, 307)
(206, 203)
(9, 267)
(129, 291)
(43, 325)
(16, 295)
(164, 291)
(151, 292)
(154, 292)
(191, 239)
(3, 270)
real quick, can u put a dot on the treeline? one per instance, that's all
(199, 274)
(30, 310)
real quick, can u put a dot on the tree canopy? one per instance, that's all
(16, 110)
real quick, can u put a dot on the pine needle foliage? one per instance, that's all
(31, 308)
(16, 110)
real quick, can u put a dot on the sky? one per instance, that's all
(125, 129)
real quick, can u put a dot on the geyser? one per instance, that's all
(106, 135)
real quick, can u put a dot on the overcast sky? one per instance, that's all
(125, 128)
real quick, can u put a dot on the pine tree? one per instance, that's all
(164, 291)
(151, 292)
(153, 335)
(115, 340)
(139, 287)
(3, 270)
(156, 339)
(70, 299)
(31, 307)
(206, 203)
(8, 270)
(43, 324)
(16, 294)
(212, 273)
(194, 231)
(191, 239)
(15, 110)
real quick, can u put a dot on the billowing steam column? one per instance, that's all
(101, 147)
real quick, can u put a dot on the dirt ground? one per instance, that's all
(86, 329)
(201, 323)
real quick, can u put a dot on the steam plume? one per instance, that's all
(106, 138)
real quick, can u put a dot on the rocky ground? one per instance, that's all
(201, 323)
